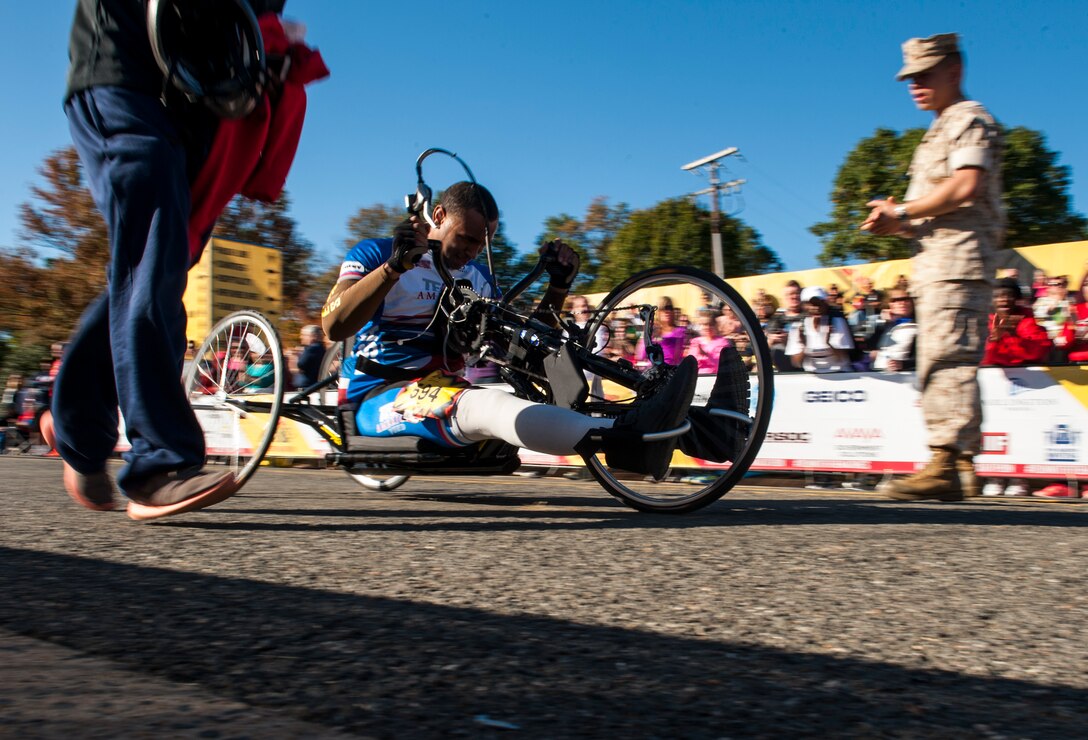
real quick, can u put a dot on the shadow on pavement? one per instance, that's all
(521, 512)
(392, 668)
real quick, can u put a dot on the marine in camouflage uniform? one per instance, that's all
(953, 212)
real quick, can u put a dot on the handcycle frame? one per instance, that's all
(386, 463)
(541, 361)
(330, 422)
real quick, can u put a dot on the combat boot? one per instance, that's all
(938, 480)
(965, 466)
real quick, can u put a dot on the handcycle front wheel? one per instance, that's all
(693, 481)
(235, 386)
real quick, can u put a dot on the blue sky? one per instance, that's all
(552, 104)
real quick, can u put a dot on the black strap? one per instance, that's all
(387, 372)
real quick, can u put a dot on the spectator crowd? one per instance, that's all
(858, 328)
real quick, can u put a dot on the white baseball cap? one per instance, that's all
(813, 291)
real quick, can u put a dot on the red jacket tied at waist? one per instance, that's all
(253, 155)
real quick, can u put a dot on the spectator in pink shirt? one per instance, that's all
(707, 344)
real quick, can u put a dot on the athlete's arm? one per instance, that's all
(550, 304)
(562, 269)
(352, 303)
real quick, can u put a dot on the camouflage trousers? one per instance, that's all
(952, 320)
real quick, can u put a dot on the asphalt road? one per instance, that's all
(516, 607)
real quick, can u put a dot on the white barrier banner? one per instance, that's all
(1034, 424)
(844, 421)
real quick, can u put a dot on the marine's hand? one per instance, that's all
(882, 220)
(562, 264)
(409, 244)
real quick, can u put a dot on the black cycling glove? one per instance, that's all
(406, 253)
(559, 275)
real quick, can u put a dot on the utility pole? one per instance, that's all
(712, 163)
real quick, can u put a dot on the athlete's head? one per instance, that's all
(466, 218)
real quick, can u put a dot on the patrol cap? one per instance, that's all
(922, 54)
(813, 291)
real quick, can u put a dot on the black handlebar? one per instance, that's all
(440, 263)
(525, 282)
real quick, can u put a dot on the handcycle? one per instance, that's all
(542, 359)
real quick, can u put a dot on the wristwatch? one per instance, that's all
(902, 215)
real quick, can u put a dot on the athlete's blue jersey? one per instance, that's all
(398, 334)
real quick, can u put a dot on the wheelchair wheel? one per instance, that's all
(235, 385)
(330, 363)
(693, 481)
(378, 483)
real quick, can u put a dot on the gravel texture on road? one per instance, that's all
(501, 607)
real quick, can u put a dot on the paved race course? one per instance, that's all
(518, 607)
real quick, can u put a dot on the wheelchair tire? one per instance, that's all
(235, 385)
(693, 483)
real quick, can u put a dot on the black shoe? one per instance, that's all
(666, 410)
(731, 388)
(718, 438)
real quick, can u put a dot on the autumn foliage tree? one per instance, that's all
(677, 231)
(590, 235)
(373, 222)
(43, 300)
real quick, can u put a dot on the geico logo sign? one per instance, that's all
(797, 437)
(844, 396)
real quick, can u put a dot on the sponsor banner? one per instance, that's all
(227, 433)
(1035, 422)
(845, 421)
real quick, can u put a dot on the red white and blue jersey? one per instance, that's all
(399, 334)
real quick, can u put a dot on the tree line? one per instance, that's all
(42, 298)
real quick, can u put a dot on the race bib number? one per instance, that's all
(430, 397)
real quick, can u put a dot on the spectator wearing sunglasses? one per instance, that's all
(1056, 313)
(894, 340)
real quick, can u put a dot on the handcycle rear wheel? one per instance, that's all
(693, 482)
(235, 385)
(330, 364)
(376, 483)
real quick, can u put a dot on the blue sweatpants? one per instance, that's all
(129, 346)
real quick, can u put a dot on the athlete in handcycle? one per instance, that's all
(416, 306)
